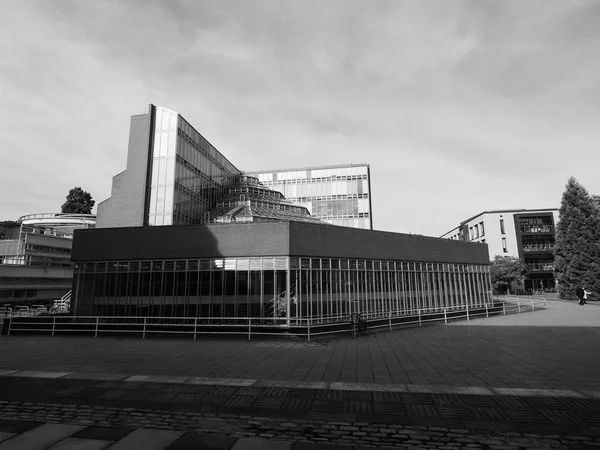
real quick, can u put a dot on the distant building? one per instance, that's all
(528, 234)
(35, 256)
(339, 195)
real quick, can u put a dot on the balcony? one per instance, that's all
(538, 248)
(536, 229)
(540, 267)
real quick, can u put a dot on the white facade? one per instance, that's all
(496, 229)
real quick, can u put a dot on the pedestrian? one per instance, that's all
(579, 292)
(585, 295)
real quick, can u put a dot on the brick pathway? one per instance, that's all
(476, 386)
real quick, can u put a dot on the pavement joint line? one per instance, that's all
(320, 385)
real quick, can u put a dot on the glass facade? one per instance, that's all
(339, 195)
(285, 290)
(188, 175)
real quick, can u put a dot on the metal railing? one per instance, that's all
(250, 327)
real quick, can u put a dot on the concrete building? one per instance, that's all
(340, 195)
(527, 234)
(35, 256)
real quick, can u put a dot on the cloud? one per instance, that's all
(458, 106)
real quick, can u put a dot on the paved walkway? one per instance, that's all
(503, 381)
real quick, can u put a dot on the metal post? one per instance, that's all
(144, 332)
(419, 317)
(9, 325)
(468, 312)
(487, 314)
(445, 316)
(519, 305)
(308, 330)
(195, 327)
(390, 317)
(53, 324)
(532, 306)
(96, 332)
(504, 308)
(249, 328)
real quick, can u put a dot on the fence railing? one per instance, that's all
(250, 327)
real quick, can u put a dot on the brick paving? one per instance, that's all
(476, 386)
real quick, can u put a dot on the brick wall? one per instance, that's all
(268, 239)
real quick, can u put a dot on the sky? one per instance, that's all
(458, 106)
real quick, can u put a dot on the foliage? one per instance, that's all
(9, 223)
(78, 202)
(508, 269)
(577, 247)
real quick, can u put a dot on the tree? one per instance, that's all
(508, 269)
(78, 202)
(577, 245)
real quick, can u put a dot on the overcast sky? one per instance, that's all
(458, 106)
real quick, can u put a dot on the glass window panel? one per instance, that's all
(173, 121)
(154, 181)
(160, 200)
(156, 147)
(164, 143)
(170, 171)
(158, 119)
(168, 208)
(165, 120)
(162, 171)
(172, 144)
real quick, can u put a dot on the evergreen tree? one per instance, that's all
(78, 202)
(577, 247)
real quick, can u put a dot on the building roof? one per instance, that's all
(295, 169)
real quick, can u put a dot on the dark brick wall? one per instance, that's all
(268, 239)
(331, 241)
(188, 241)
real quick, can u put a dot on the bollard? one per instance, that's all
(519, 306)
(445, 316)
(468, 312)
(195, 327)
(249, 328)
(308, 330)
(504, 308)
(144, 332)
(96, 331)
(53, 324)
(419, 317)
(390, 318)
(487, 314)
(532, 307)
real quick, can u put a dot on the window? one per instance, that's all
(482, 229)
(504, 248)
(476, 231)
(471, 233)
(502, 226)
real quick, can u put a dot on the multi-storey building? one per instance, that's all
(340, 195)
(35, 256)
(185, 233)
(527, 234)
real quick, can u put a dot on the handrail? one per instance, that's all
(252, 326)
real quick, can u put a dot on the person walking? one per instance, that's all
(585, 295)
(580, 293)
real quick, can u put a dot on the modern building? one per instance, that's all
(185, 233)
(287, 270)
(35, 256)
(340, 195)
(527, 234)
(174, 176)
